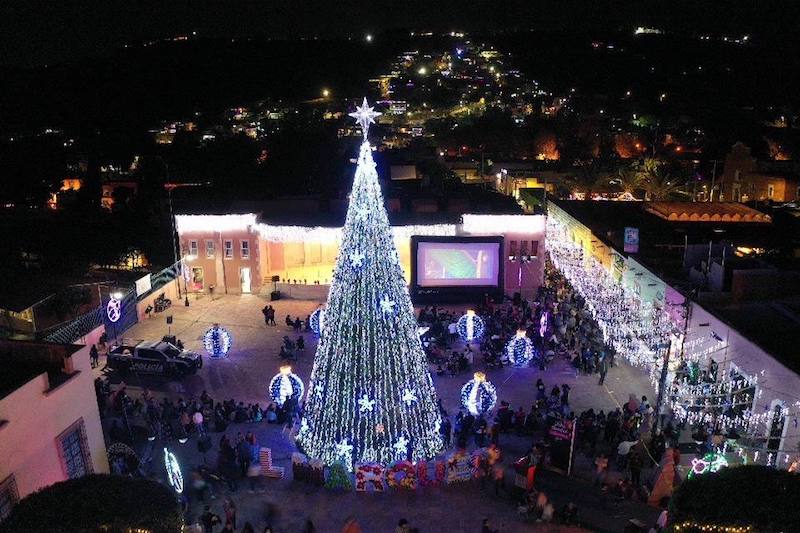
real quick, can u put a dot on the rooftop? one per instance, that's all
(773, 325)
(22, 361)
(717, 212)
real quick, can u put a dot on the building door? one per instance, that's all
(244, 274)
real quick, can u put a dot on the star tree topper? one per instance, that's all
(365, 115)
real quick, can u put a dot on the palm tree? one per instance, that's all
(658, 183)
(586, 179)
(628, 180)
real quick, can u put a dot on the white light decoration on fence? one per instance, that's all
(502, 224)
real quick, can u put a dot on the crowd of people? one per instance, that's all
(559, 325)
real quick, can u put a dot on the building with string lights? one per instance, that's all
(248, 253)
(691, 284)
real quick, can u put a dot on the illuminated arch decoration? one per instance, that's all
(317, 321)
(470, 327)
(285, 385)
(709, 463)
(478, 396)
(114, 309)
(520, 349)
(217, 341)
(174, 474)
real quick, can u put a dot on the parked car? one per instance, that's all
(159, 358)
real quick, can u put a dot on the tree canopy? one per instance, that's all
(98, 502)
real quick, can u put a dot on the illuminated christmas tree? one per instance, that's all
(371, 397)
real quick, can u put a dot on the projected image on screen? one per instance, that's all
(442, 264)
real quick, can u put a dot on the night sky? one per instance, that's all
(35, 32)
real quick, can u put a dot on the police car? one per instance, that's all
(159, 358)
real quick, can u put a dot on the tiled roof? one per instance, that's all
(706, 212)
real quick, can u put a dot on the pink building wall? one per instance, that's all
(224, 273)
(35, 417)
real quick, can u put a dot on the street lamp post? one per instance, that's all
(175, 244)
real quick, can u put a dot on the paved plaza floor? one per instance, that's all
(253, 360)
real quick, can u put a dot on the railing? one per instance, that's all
(74, 330)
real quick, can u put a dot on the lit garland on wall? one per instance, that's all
(217, 341)
(370, 391)
(470, 327)
(478, 396)
(520, 349)
(638, 330)
(285, 385)
(713, 528)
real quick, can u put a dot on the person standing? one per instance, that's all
(603, 368)
(230, 512)
(265, 312)
(209, 520)
(94, 356)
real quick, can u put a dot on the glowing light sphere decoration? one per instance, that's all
(217, 341)
(709, 463)
(317, 321)
(174, 474)
(478, 396)
(520, 349)
(470, 327)
(285, 385)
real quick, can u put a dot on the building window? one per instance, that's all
(534, 248)
(74, 451)
(245, 249)
(9, 496)
(228, 249)
(193, 248)
(210, 249)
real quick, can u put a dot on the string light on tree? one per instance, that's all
(478, 396)
(370, 342)
(409, 397)
(285, 385)
(217, 341)
(365, 405)
(520, 349)
(470, 327)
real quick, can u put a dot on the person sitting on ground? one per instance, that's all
(289, 321)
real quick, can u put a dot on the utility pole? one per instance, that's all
(175, 245)
(662, 382)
